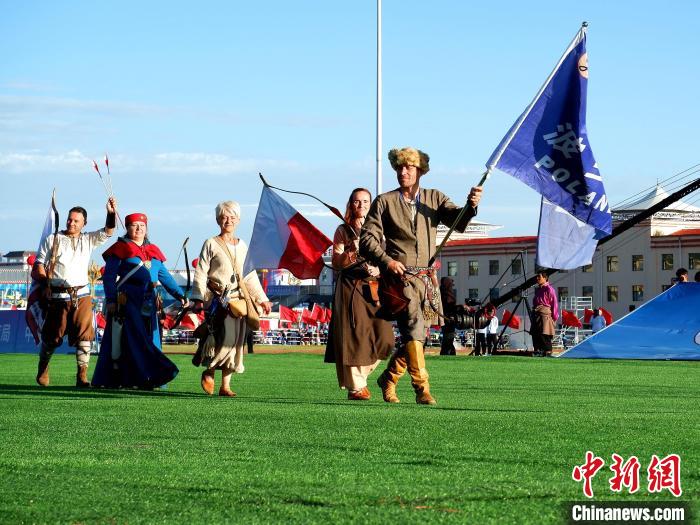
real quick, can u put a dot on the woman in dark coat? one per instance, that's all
(357, 339)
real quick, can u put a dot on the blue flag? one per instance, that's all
(548, 149)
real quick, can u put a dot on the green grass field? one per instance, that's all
(498, 448)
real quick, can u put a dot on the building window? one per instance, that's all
(563, 292)
(473, 268)
(494, 294)
(637, 292)
(587, 291)
(493, 267)
(667, 261)
(451, 268)
(694, 261)
(613, 263)
(587, 269)
(517, 267)
(474, 294)
(613, 294)
(637, 263)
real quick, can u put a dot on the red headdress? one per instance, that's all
(136, 217)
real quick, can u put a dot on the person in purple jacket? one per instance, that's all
(545, 314)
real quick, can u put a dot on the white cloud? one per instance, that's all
(33, 161)
(43, 105)
(19, 85)
(171, 163)
(215, 164)
(27, 107)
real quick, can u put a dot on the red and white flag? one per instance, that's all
(283, 238)
(35, 314)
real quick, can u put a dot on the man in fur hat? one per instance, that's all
(399, 236)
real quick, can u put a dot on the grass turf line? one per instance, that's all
(498, 448)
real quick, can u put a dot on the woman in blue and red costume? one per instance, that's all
(133, 268)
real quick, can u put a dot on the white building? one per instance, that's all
(626, 271)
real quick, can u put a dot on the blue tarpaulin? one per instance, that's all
(667, 327)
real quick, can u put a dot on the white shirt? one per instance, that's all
(72, 257)
(492, 327)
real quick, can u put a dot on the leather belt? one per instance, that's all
(71, 293)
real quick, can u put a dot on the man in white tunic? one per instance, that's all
(62, 266)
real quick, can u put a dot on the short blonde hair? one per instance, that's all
(228, 206)
(409, 157)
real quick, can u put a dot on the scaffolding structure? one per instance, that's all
(572, 335)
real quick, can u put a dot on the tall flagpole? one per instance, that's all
(379, 97)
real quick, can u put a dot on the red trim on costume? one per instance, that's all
(125, 249)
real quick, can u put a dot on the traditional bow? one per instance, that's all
(333, 209)
(184, 310)
(54, 246)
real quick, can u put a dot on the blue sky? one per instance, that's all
(192, 101)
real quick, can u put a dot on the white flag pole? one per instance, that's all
(379, 97)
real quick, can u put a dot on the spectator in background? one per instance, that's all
(492, 335)
(545, 314)
(249, 340)
(697, 277)
(449, 304)
(681, 275)
(598, 322)
(480, 344)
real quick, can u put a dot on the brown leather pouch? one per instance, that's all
(374, 290)
(237, 308)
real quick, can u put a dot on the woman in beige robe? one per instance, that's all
(216, 279)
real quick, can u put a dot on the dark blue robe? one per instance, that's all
(141, 363)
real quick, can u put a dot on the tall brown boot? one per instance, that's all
(390, 377)
(42, 374)
(81, 380)
(418, 372)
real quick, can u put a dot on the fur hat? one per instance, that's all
(409, 157)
